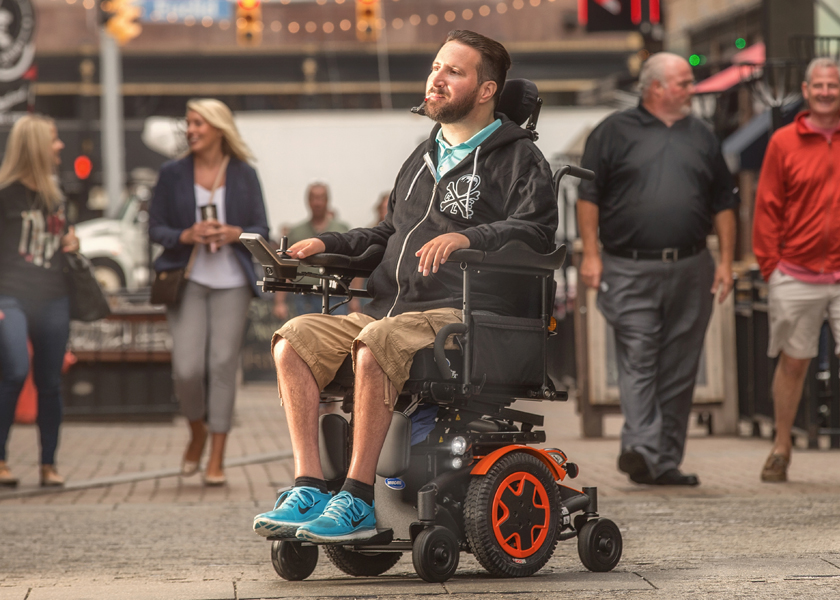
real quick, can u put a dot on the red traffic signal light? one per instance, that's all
(249, 24)
(368, 16)
(82, 166)
(618, 15)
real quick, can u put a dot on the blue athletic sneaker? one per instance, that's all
(293, 508)
(346, 518)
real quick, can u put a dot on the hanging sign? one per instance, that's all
(17, 52)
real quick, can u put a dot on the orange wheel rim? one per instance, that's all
(520, 514)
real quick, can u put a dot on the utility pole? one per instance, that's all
(384, 69)
(119, 25)
(113, 137)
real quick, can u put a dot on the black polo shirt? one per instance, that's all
(655, 186)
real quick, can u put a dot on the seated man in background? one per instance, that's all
(477, 182)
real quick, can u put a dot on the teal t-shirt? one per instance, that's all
(450, 156)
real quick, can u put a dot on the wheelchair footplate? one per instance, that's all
(382, 536)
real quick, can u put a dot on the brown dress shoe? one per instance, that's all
(50, 477)
(6, 477)
(775, 468)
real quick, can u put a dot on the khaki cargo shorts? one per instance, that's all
(324, 341)
(796, 312)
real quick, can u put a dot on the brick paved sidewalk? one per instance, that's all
(160, 536)
(141, 460)
(95, 453)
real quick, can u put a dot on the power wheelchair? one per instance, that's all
(473, 483)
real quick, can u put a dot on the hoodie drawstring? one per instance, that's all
(475, 168)
(411, 187)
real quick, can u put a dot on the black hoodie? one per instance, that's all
(501, 192)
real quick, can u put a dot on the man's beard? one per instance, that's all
(452, 112)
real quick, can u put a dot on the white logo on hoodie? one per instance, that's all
(461, 195)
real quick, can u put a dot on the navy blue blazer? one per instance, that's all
(173, 207)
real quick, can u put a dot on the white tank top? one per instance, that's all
(219, 270)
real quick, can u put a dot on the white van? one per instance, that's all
(119, 247)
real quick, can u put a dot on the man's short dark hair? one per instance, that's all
(495, 60)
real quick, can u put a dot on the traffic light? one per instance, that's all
(82, 167)
(368, 14)
(120, 19)
(249, 23)
(618, 15)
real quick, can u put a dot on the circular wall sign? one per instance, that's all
(17, 38)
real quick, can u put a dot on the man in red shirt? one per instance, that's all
(796, 242)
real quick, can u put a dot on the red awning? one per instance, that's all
(732, 76)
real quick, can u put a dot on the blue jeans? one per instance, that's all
(47, 325)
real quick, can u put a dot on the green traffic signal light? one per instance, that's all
(694, 60)
(740, 43)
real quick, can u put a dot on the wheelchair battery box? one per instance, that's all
(508, 350)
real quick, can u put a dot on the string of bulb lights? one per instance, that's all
(328, 27)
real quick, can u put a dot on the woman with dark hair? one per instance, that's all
(34, 300)
(201, 204)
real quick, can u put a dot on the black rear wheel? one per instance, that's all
(599, 545)
(511, 516)
(361, 564)
(292, 560)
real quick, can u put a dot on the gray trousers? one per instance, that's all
(659, 312)
(207, 331)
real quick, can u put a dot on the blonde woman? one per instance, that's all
(208, 324)
(33, 289)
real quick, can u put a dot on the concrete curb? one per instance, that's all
(75, 486)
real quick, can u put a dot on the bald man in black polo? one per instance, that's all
(661, 184)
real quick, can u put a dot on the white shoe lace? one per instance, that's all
(341, 508)
(300, 495)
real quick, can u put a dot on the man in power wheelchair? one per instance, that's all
(460, 273)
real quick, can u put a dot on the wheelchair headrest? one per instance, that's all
(519, 100)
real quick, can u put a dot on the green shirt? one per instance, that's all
(305, 230)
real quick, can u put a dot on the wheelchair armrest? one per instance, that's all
(513, 254)
(360, 266)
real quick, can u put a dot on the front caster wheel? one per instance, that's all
(293, 561)
(435, 554)
(599, 545)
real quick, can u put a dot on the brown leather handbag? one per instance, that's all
(168, 286)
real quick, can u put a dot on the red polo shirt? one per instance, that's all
(797, 203)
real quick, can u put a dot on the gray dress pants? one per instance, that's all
(659, 312)
(208, 328)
